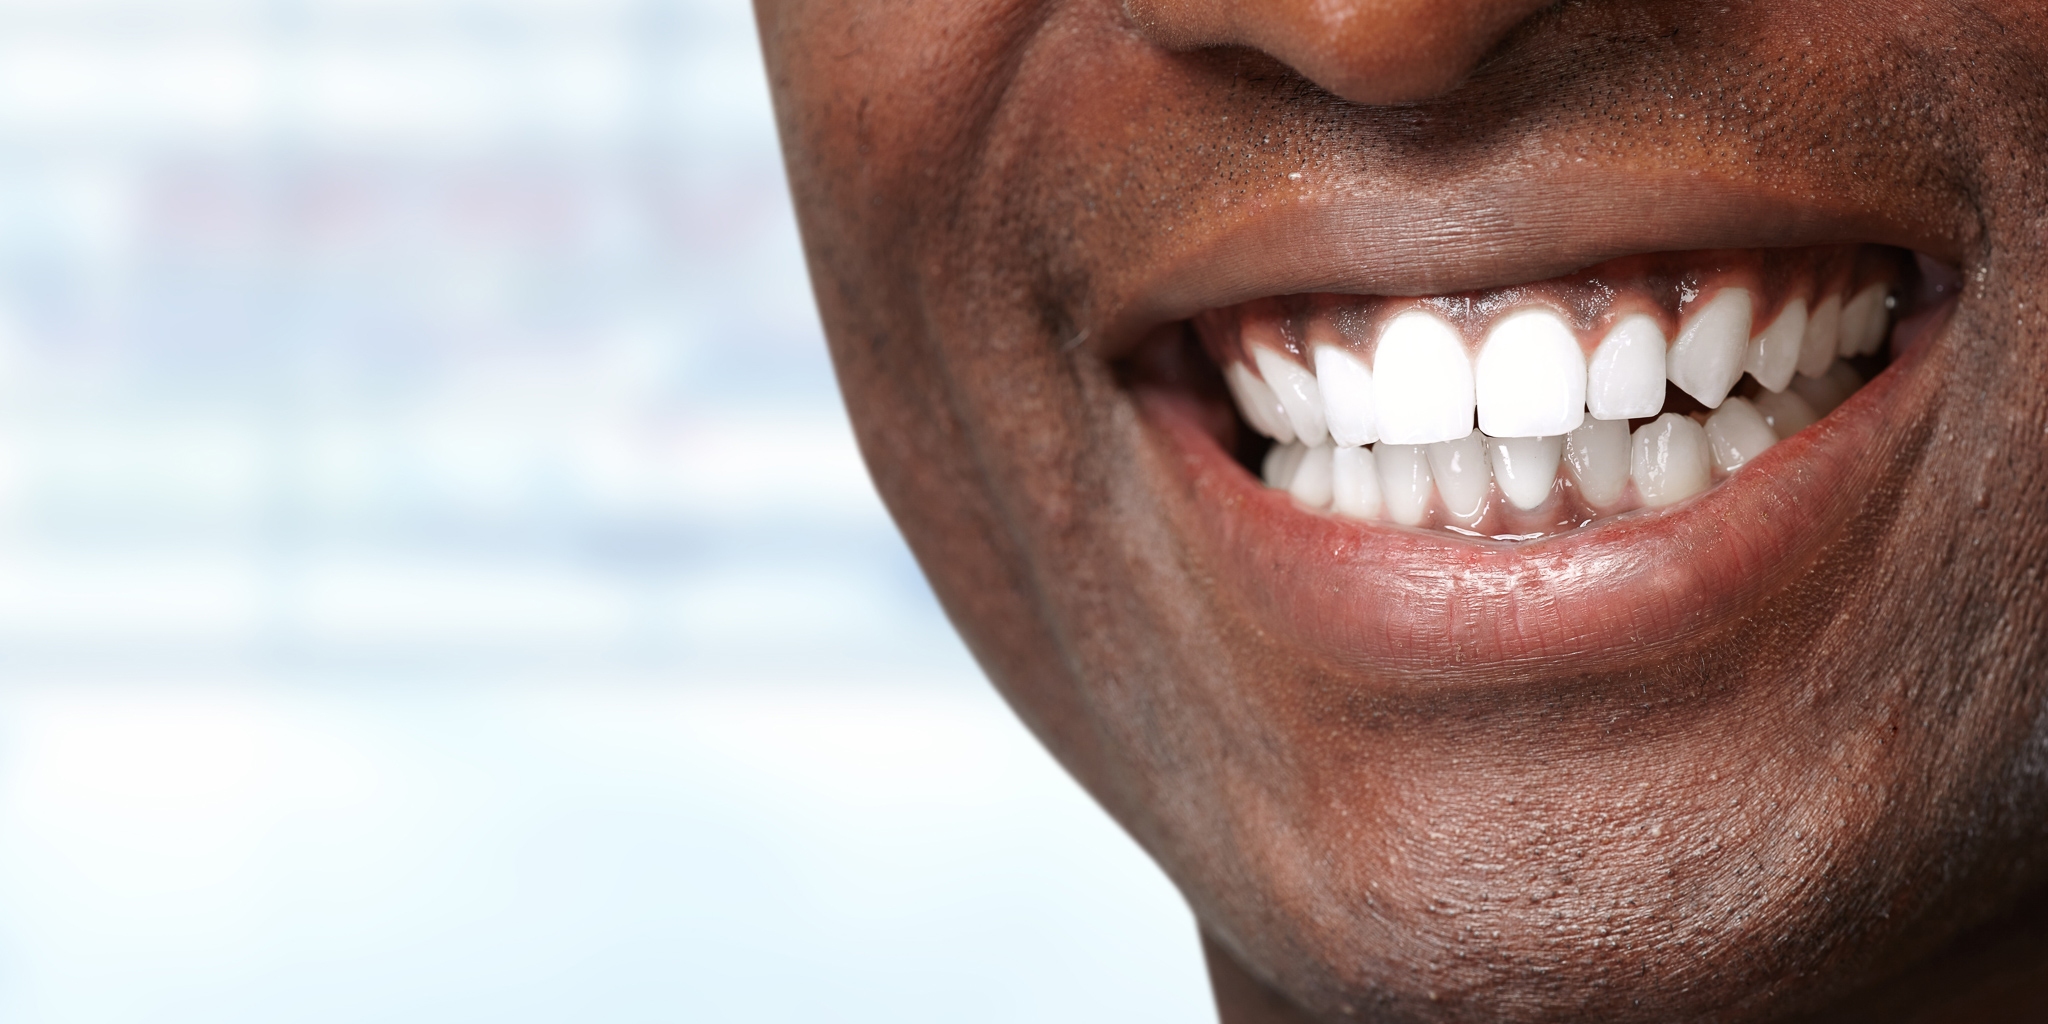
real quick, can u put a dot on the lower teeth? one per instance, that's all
(1523, 488)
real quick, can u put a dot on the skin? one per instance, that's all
(1806, 779)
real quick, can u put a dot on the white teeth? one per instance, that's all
(1786, 412)
(1462, 478)
(1530, 378)
(1296, 388)
(1258, 403)
(1737, 434)
(1421, 382)
(1526, 467)
(1596, 458)
(1863, 322)
(1355, 483)
(1278, 469)
(1391, 437)
(1822, 332)
(1706, 360)
(1405, 482)
(1774, 354)
(1830, 389)
(1626, 378)
(1311, 483)
(1668, 460)
(1347, 396)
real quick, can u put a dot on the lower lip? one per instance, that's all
(1412, 607)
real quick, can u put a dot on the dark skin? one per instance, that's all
(1797, 770)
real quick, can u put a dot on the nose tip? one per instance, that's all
(1367, 51)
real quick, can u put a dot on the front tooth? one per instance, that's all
(1817, 350)
(1346, 385)
(1526, 467)
(1531, 377)
(1774, 354)
(1626, 377)
(1863, 322)
(1296, 388)
(1596, 459)
(1668, 460)
(1462, 478)
(1421, 382)
(1355, 483)
(1786, 412)
(1737, 434)
(1405, 483)
(1706, 360)
(1311, 483)
(1830, 389)
(1258, 403)
(1281, 459)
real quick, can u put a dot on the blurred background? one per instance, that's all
(437, 582)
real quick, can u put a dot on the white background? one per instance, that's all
(436, 579)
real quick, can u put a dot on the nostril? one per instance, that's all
(1367, 51)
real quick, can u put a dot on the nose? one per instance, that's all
(1367, 51)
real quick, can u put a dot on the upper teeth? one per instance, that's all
(1347, 396)
(1626, 378)
(1300, 399)
(1532, 376)
(1706, 360)
(1863, 322)
(1774, 354)
(1422, 381)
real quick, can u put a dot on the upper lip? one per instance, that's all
(1499, 227)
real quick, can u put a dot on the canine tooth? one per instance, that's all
(1296, 388)
(1281, 459)
(1421, 382)
(1774, 354)
(1785, 411)
(1525, 467)
(1863, 322)
(1355, 483)
(1258, 403)
(1668, 460)
(1596, 459)
(1462, 478)
(1830, 389)
(1737, 434)
(1405, 483)
(1530, 377)
(1706, 360)
(1346, 384)
(1311, 483)
(1626, 377)
(1823, 331)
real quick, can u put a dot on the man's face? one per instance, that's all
(1696, 722)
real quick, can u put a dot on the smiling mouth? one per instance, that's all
(1522, 412)
(1465, 568)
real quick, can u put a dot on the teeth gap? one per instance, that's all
(1365, 407)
